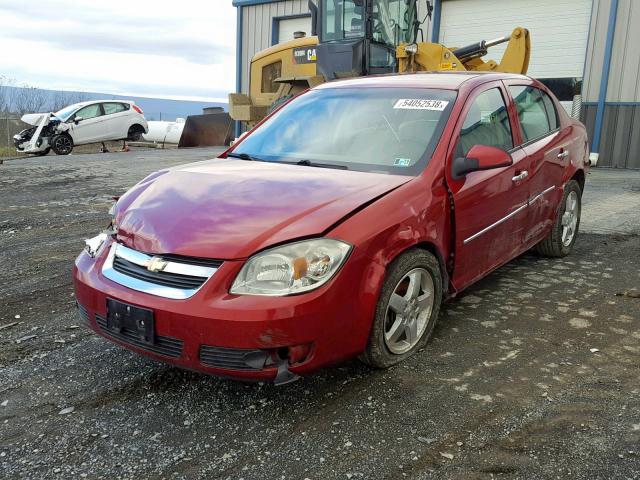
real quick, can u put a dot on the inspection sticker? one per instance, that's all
(421, 104)
(402, 162)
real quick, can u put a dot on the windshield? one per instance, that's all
(387, 130)
(66, 112)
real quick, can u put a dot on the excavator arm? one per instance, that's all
(424, 56)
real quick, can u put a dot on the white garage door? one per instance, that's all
(287, 26)
(558, 30)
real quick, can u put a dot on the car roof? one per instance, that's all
(441, 80)
(91, 102)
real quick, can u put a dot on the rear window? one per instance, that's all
(110, 108)
(387, 130)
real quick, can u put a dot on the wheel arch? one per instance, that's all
(137, 126)
(579, 177)
(433, 249)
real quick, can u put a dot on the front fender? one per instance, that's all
(415, 214)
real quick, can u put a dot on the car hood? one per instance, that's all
(230, 209)
(34, 118)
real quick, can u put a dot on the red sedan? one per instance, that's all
(337, 226)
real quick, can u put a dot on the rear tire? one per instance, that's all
(62, 144)
(135, 133)
(563, 235)
(407, 309)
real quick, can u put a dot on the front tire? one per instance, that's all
(407, 309)
(62, 144)
(563, 235)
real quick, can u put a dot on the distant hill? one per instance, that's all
(154, 108)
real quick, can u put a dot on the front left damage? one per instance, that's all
(41, 136)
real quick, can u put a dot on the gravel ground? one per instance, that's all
(532, 373)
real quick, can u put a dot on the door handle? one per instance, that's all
(563, 154)
(521, 176)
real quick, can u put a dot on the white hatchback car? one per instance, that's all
(79, 124)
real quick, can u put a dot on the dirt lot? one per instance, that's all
(532, 373)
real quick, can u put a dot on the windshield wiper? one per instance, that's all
(309, 163)
(245, 156)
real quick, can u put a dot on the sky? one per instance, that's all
(180, 49)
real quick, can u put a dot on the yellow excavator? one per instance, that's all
(353, 38)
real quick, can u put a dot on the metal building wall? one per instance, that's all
(256, 29)
(620, 136)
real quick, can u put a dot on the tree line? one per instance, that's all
(18, 99)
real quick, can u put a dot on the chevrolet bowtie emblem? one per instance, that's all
(156, 264)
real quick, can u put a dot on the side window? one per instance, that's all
(532, 105)
(110, 108)
(486, 123)
(90, 111)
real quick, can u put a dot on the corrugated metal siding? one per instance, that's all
(559, 30)
(624, 84)
(624, 75)
(620, 140)
(595, 49)
(256, 29)
(620, 143)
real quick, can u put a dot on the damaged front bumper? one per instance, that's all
(237, 336)
(37, 138)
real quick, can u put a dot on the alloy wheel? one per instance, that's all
(408, 311)
(63, 144)
(570, 218)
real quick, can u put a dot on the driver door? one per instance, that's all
(88, 125)
(490, 205)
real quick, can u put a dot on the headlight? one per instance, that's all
(92, 245)
(294, 268)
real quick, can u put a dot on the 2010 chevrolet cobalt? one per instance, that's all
(336, 227)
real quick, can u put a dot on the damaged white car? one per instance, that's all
(79, 124)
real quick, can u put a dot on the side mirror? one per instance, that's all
(480, 157)
(77, 120)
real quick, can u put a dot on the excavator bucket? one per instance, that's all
(215, 129)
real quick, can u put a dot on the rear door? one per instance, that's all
(548, 149)
(490, 205)
(116, 119)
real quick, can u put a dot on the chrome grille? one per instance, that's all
(161, 278)
(167, 346)
(169, 276)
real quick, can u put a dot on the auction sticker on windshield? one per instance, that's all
(421, 104)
